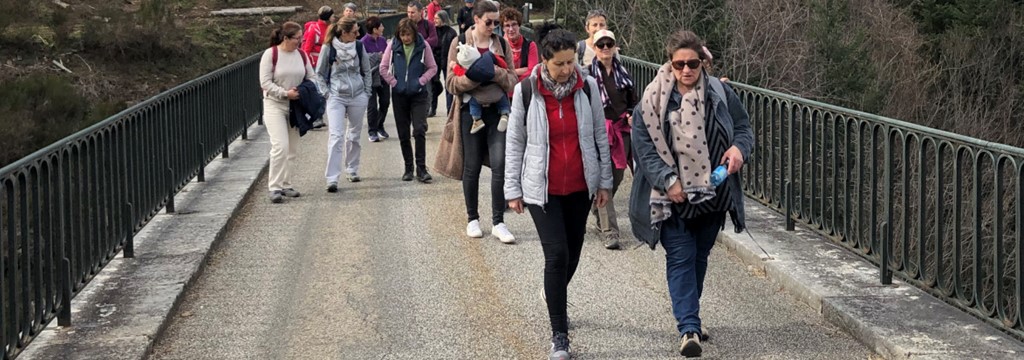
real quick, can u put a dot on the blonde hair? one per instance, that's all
(346, 24)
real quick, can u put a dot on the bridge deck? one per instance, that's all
(383, 269)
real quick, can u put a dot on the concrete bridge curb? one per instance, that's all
(128, 305)
(897, 322)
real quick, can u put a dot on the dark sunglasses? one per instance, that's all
(490, 22)
(604, 44)
(681, 64)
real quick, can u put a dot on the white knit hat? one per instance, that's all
(468, 54)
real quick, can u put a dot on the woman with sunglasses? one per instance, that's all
(489, 142)
(557, 165)
(619, 96)
(688, 123)
(346, 80)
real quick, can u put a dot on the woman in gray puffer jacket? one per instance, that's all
(345, 79)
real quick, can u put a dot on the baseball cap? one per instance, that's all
(603, 34)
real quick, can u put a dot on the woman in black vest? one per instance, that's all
(407, 66)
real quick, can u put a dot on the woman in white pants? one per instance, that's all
(282, 69)
(344, 77)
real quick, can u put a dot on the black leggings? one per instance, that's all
(561, 224)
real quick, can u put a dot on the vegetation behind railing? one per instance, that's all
(943, 211)
(69, 208)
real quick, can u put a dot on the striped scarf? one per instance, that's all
(622, 78)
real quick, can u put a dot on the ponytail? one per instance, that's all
(287, 29)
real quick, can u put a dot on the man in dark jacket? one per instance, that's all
(465, 18)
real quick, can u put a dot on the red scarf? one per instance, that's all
(517, 49)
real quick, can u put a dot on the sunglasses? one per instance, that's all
(604, 44)
(681, 64)
(490, 22)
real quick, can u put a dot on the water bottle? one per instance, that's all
(719, 175)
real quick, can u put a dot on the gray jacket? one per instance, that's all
(651, 171)
(348, 79)
(527, 150)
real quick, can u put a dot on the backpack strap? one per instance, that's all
(526, 92)
(581, 49)
(524, 53)
(273, 60)
(716, 86)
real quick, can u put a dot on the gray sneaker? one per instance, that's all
(276, 197)
(289, 192)
(611, 241)
(559, 347)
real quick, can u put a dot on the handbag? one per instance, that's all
(448, 161)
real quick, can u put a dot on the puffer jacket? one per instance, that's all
(527, 148)
(349, 77)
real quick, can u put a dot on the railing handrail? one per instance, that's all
(80, 134)
(991, 145)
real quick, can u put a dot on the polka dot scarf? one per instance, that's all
(689, 151)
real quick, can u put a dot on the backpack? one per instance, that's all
(524, 53)
(332, 56)
(313, 26)
(581, 50)
(273, 59)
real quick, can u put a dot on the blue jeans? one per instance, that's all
(687, 244)
(476, 111)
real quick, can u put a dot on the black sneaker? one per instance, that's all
(332, 187)
(689, 345)
(407, 176)
(276, 197)
(424, 177)
(559, 347)
(383, 134)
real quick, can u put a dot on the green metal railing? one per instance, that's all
(68, 209)
(945, 212)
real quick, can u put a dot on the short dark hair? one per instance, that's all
(554, 39)
(684, 39)
(415, 4)
(372, 23)
(484, 7)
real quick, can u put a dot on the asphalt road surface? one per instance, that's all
(383, 270)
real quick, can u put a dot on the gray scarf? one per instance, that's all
(560, 91)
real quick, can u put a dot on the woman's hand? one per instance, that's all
(516, 205)
(735, 159)
(602, 197)
(676, 193)
(293, 94)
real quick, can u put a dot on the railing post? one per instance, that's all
(227, 141)
(64, 316)
(170, 195)
(245, 127)
(884, 272)
(129, 240)
(201, 176)
(790, 223)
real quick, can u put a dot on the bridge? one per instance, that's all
(149, 235)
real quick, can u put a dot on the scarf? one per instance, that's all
(346, 54)
(517, 49)
(622, 78)
(689, 152)
(560, 91)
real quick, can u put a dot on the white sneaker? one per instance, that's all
(503, 123)
(473, 229)
(501, 231)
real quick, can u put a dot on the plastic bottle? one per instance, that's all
(719, 175)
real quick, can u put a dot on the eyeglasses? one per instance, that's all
(604, 44)
(511, 25)
(490, 22)
(681, 64)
